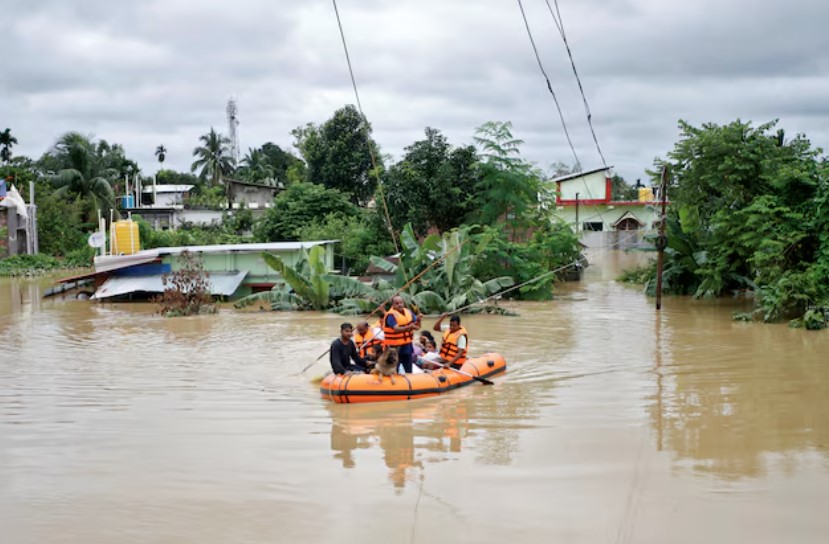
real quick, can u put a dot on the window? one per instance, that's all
(596, 226)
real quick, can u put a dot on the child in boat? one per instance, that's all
(429, 350)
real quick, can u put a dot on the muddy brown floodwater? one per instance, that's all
(613, 424)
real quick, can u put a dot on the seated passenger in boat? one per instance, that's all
(343, 351)
(369, 340)
(428, 348)
(454, 347)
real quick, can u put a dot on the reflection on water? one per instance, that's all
(613, 423)
(413, 435)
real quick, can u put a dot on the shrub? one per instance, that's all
(187, 290)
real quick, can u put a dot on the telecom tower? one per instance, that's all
(232, 131)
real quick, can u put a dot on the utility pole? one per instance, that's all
(577, 213)
(661, 240)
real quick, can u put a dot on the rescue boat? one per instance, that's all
(357, 388)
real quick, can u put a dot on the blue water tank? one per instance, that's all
(127, 201)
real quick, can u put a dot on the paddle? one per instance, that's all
(476, 378)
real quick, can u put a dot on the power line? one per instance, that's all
(559, 22)
(561, 115)
(549, 85)
(365, 125)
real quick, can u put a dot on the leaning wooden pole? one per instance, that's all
(661, 241)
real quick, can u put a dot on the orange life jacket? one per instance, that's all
(397, 338)
(449, 347)
(368, 343)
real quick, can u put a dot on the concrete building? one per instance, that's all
(18, 224)
(166, 207)
(584, 200)
(251, 195)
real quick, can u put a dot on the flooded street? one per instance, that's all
(613, 424)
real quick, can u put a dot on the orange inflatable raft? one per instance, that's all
(356, 388)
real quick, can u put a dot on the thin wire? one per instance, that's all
(520, 285)
(559, 22)
(555, 99)
(365, 125)
(549, 85)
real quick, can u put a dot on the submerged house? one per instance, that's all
(234, 270)
(584, 200)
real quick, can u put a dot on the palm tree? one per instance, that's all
(213, 157)
(7, 141)
(256, 166)
(85, 177)
(161, 153)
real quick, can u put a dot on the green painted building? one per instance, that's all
(235, 270)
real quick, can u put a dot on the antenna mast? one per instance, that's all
(232, 132)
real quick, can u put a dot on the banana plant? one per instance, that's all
(444, 288)
(307, 285)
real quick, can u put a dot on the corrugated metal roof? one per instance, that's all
(167, 188)
(268, 246)
(221, 283)
(110, 262)
(579, 174)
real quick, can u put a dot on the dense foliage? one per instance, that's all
(298, 206)
(186, 290)
(750, 211)
(433, 186)
(486, 193)
(338, 154)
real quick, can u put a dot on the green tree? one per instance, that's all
(256, 166)
(86, 176)
(298, 206)
(286, 167)
(433, 186)
(620, 190)
(509, 185)
(7, 141)
(753, 207)
(337, 153)
(213, 158)
(60, 226)
(361, 236)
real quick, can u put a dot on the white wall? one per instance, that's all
(590, 187)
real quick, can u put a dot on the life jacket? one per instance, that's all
(449, 347)
(398, 338)
(369, 343)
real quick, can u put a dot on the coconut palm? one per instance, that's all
(213, 158)
(85, 177)
(7, 141)
(256, 166)
(161, 153)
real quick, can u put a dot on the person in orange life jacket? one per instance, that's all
(343, 351)
(455, 342)
(369, 340)
(399, 325)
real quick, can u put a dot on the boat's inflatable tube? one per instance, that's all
(355, 388)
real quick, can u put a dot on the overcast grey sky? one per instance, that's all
(149, 72)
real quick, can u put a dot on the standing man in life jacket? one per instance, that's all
(399, 325)
(369, 340)
(455, 342)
